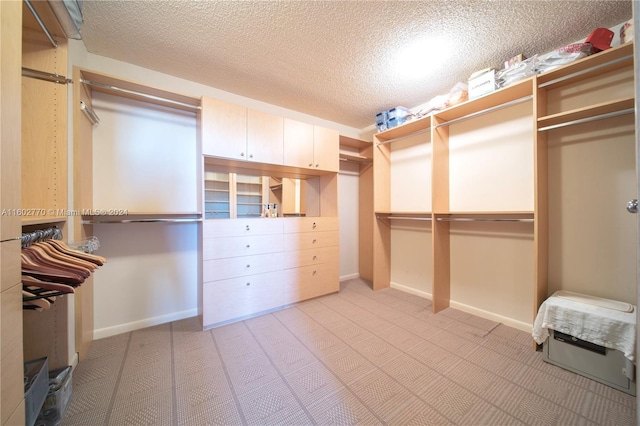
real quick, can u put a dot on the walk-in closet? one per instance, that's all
(238, 221)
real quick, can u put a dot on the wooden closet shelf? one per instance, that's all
(353, 143)
(42, 220)
(607, 60)
(487, 102)
(137, 91)
(520, 91)
(355, 158)
(589, 112)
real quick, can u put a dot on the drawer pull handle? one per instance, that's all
(248, 266)
(242, 154)
(315, 272)
(250, 155)
(248, 245)
(310, 164)
(314, 225)
(317, 165)
(248, 284)
(248, 229)
(314, 241)
(315, 257)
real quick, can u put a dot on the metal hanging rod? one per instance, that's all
(486, 111)
(46, 76)
(42, 25)
(588, 119)
(90, 113)
(404, 137)
(585, 71)
(142, 95)
(484, 219)
(97, 221)
(403, 217)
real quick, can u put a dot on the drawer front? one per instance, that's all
(217, 228)
(220, 248)
(308, 240)
(222, 269)
(309, 224)
(229, 299)
(314, 256)
(12, 381)
(310, 281)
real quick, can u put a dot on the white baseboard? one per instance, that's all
(411, 290)
(523, 326)
(349, 277)
(74, 361)
(137, 325)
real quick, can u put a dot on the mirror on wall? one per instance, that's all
(234, 195)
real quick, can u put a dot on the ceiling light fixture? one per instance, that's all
(420, 58)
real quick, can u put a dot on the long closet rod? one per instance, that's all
(478, 219)
(142, 95)
(46, 76)
(42, 25)
(403, 217)
(486, 111)
(588, 119)
(93, 222)
(404, 137)
(585, 71)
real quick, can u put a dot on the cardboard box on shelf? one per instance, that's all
(482, 82)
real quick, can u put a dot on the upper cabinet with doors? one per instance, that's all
(224, 129)
(235, 132)
(310, 146)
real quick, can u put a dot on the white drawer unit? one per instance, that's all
(253, 265)
(222, 269)
(241, 297)
(225, 247)
(217, 228)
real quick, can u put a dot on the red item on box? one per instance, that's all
(600, 39)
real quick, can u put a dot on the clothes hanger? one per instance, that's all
(98, 260)
(47, 273)
(38, 302)
(31, 281)
(38, 255)
(62, 256)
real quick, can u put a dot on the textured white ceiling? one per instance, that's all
(334, 59)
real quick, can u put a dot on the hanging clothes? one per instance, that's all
(50, 268)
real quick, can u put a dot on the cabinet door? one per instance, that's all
(326, 149)
(298, 144)
(265, 137)
(223, 127)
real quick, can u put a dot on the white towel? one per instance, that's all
(610, 328)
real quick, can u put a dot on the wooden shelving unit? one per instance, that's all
(531, 94)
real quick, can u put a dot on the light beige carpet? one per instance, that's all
(355, 357)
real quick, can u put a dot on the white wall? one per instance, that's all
(348, 212)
